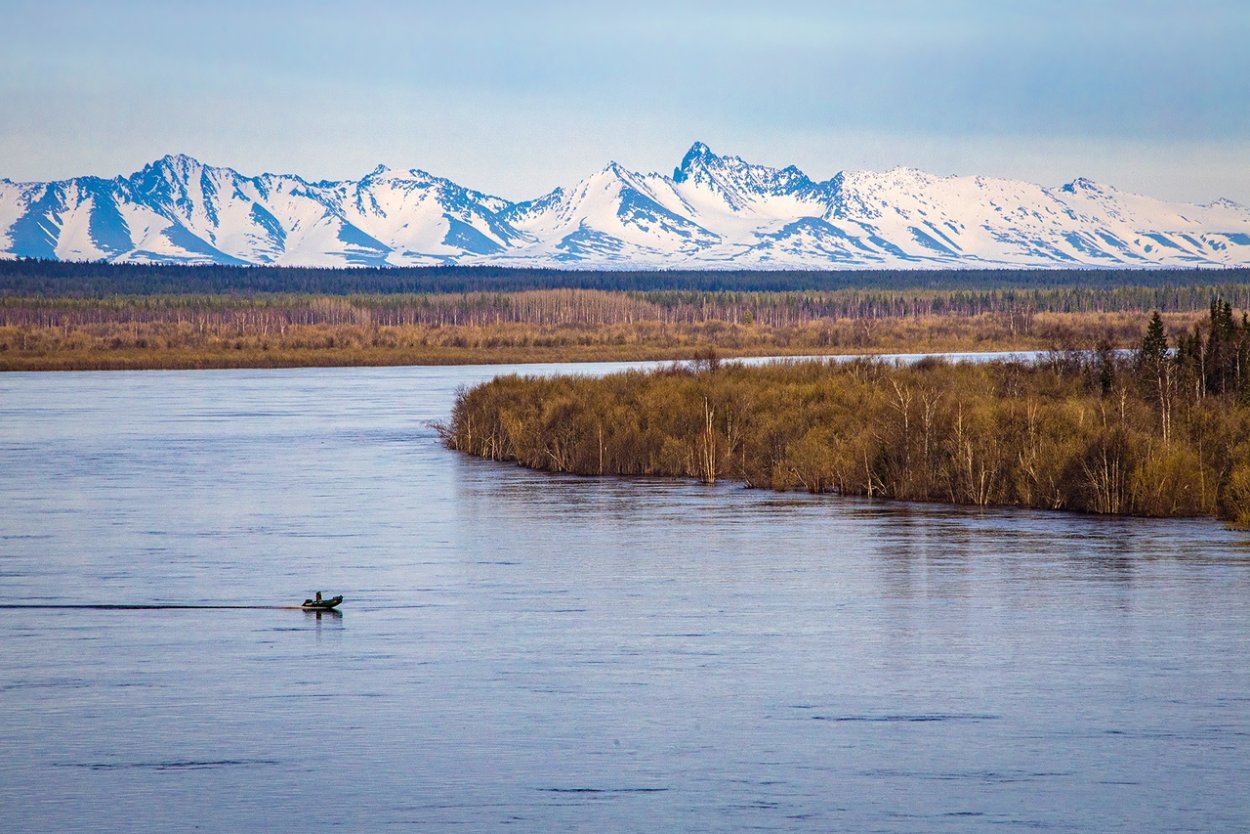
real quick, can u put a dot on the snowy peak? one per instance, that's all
(715, 211)
(1226, 203)
(1083, 185)
(737, 182)
(697, 158)
(174, 165)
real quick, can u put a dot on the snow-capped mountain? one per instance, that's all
(713, 212)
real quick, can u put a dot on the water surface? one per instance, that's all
(528, 652)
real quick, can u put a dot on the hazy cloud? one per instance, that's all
(518, 97)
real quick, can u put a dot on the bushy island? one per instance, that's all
(1160, 431)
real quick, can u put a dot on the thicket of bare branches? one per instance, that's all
(1163, 433)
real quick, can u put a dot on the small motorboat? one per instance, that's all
(320, 604)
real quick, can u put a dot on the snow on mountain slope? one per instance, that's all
(713, 212)
(418, 216)
(11, 209)
(613, 216)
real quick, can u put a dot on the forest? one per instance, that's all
(78, 316)
(1160, 430)
(199, 331)
(32, 277)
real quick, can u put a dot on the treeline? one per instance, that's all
(1162, 432)
(30, 277)
(595, 308)
(782, 308)
(550, 325)
(553, 325)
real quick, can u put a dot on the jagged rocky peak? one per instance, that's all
(699, 156)
(176, 163)
(1225, 203)
(164, 179)
(1082, 184)
(176, 171)
(791, 178)
(178, 160)
(701, 150)
(385, 173)
(736, 178)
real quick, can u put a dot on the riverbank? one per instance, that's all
(1087, 433)
(184, 332)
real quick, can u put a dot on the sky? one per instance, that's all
(517, 98)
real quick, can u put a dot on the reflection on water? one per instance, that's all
(548, 653)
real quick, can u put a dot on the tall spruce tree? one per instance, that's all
(1154, 347)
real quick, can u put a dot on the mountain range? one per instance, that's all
(713, 212)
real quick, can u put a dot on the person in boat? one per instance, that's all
(311, 602)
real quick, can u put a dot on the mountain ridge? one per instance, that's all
(713, 212)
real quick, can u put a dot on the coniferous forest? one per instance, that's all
(1162, 430)
(27, 277)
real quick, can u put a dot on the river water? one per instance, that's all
(526, 652)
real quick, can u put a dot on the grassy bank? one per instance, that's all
(1161, 434)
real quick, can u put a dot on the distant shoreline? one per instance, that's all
(227, 360)
(240, 360)
(182, 331)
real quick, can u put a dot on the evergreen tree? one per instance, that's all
(1154, 348)
(1221, 353)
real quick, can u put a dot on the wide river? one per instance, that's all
(525, 652)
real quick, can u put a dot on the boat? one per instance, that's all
(320, 604)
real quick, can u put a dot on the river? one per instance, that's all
(528, 652)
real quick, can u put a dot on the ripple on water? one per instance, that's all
(912, 718)
(173, 764)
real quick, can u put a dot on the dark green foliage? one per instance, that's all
(1165, 288)
(1154, 346)
(1225, 350)
(1218, 363)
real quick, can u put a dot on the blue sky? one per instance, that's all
(515, 98)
